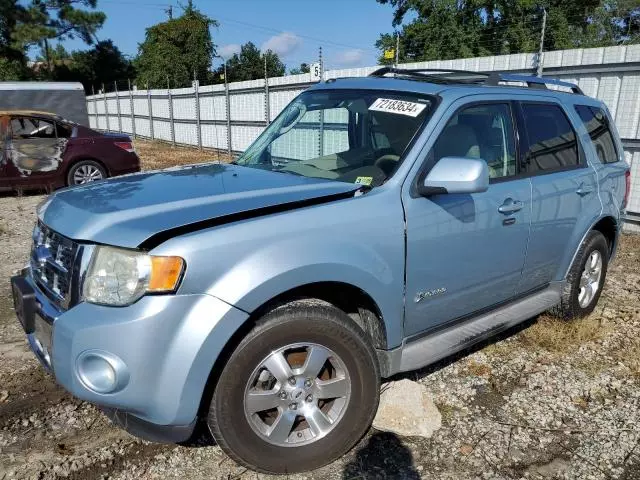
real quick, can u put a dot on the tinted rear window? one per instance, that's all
(597, 124)
(551, 140)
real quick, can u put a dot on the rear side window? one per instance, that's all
(597, 124)
(551, 141)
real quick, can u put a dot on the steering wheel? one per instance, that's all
(387, 163)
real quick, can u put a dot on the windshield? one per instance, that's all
(356, 136)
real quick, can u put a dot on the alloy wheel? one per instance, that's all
(86, 173)
(590, 279)
(297, 394)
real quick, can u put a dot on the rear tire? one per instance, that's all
(585, 279)
(85, 171)
(308, 419)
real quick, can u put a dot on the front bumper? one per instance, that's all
(165, 346)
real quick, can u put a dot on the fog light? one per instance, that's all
(102, 372)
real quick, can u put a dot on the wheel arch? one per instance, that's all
(605, 224)
(352, 300)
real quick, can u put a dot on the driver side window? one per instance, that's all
(481, 131)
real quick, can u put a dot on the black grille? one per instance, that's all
(52, 258)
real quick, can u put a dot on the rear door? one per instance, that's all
(35, 151)
(564, 190)
(607, 155)
(465, 252)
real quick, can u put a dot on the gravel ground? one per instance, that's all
(548, 400)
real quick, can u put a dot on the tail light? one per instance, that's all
(128, 146)
(627, 190)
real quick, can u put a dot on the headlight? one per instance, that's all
(119, 277)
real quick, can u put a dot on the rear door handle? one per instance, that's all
(510, 206)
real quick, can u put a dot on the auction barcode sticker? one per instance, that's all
(401, 107)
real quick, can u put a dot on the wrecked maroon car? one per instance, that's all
(43, 150)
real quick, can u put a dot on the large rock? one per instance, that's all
(407, 409)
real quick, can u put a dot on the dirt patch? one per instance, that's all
(155, 155)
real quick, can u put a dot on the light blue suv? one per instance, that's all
(377, 225)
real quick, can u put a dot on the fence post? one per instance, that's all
(150, 111)
(171, 124)
(196, 89)
(226, 92)
(133, 116)
(106, 107)
(115, 85)
(95, 108)
(267, 103)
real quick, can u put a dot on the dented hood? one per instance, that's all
(141, 209)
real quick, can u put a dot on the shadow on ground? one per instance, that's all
(382, 456)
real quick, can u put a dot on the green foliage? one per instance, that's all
(55, 54)
(249, 65)
(175, 50)
(40, 21)
(103, 64)
(304, 68)
(447, 29)
(13, 59)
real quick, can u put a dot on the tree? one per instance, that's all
(249, 64)
(13, 58)
(103, 64)
(304, 68)
(446, 29)
(40, 21)
(176, 50)
(55, 54)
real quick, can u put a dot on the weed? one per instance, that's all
(560, 336)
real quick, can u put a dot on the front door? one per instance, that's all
(35, 151)
(465, 252)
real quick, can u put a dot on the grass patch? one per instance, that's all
(561, 336)
(478, 369)
(447, 411)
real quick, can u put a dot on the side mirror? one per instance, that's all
(456, 175)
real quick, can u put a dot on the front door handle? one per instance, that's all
(510, 206)
(582, 190)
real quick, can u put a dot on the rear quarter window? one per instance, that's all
(596, 122)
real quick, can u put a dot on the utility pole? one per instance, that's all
(397, 47)
(321, 62)
(544, 26)
(169, 11)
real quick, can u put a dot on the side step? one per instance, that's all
(439, 345)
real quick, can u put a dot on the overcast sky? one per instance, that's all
(346, 29)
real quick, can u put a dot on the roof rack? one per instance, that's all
(449, 76)
(436, 75)
(532, 82)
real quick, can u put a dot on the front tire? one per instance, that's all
(585, 279)
(298, 392)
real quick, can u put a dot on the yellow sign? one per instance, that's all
(364, 181)
(390, 54)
